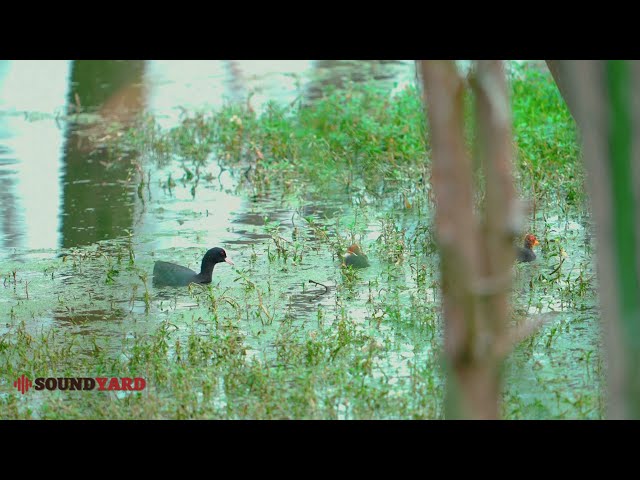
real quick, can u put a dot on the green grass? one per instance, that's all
(548, 161)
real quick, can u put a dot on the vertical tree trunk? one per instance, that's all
(604, 98)
(475, 259)
(495, 150)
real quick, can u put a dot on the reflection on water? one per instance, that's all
(108, 84)
(57, 190)
(338, 73)
(197, 85)
(97, 196)
(31, 154)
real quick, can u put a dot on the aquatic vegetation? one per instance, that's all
(287, 333)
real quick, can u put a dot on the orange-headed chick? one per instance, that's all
(526, 254)
(355, 258)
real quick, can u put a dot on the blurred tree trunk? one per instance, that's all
(560, 76)
(604, 98)
(476, 256)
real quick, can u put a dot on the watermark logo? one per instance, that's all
(81, 383)
(23, 384)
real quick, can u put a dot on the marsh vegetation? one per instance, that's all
(288, 332)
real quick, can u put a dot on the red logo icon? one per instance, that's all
(23, 384)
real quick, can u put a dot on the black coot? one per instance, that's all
(170, 274)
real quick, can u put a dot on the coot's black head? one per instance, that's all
(213, 256)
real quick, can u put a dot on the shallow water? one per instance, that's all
(385, 301)
(55, 187)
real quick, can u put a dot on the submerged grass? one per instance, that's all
(350, 166)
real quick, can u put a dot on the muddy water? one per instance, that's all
(83, 248)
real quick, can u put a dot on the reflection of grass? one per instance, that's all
(369, 346)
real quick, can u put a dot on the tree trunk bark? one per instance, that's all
(604, 98)
(475, 260)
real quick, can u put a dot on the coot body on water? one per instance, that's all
(173, 275)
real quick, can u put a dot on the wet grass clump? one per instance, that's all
(358, 129)
(547, 152)
(362, 133)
